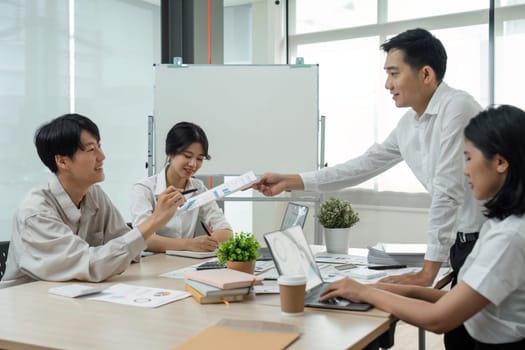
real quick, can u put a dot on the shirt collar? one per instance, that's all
(160, 185)
(437, 98)
(88, 204)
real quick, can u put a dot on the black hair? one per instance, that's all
(420, 49)
(182, 135)
(500, 130)
(61, 136)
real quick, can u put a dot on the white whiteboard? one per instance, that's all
(257, 117)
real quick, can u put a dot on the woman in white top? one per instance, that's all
(489, 298)
(186, 150)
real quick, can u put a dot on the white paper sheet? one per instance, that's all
(139, 296)
(223, 190)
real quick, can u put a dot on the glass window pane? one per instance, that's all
(503, 3)
(33, 89)
(408, 9)
(117, 43)
(348, 77)
(238, 34)
(509, 60)
(467, 64)
(340, 96)
(314, 15)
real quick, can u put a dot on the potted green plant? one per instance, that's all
(239, 252)
(337, 216)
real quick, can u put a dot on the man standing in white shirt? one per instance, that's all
(69, 229)
(429, 138)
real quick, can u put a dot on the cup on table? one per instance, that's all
(292, 289)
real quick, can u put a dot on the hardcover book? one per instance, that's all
(224, 278)
(213, 299)
(207, 290)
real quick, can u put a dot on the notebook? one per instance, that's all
(292, 255)
(295, 215)
(223, 278)
(192, 254)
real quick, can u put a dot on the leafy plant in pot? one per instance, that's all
(337, 216)
(239, 252)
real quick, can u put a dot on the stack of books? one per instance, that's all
(219, 285)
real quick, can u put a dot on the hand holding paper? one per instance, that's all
(223, 190)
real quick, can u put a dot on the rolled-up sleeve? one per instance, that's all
(50, 251)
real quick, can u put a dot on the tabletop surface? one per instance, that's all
(33, 319)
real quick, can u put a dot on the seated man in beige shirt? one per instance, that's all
(69, 229)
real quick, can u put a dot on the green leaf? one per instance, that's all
(337, 213)
(238, 247)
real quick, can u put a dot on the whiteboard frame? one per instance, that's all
(272, 108)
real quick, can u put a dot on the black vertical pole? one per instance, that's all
(176, 30)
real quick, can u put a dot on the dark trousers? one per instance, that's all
(459, 338)
(520, 345)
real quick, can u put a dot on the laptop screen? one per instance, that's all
(292, 255)
(295, 215)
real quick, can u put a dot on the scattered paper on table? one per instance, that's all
(139, 296)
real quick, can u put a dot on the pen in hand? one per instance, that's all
(183, 192)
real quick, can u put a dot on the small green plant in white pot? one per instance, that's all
(337, 216)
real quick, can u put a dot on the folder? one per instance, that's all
(224, 338)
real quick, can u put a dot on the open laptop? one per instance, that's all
(295, 215)
(292, 255)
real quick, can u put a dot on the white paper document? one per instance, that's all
(139, 296)
(268, 287)
(76, 290)
(331, 258)
(179, 273)
(223, 190)
(402, 254)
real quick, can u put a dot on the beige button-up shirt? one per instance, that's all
(54, 240)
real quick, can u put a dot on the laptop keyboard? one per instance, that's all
(337, 301)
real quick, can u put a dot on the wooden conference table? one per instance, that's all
(30, 318)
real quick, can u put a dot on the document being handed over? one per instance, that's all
(220, 191)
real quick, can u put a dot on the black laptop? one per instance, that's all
(292, 255)
(295, 215)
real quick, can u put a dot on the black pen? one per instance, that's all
(386, 267)
(183, 192)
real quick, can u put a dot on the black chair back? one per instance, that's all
(4, 247)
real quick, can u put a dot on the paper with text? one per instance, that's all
(223, 190)
(139, 296)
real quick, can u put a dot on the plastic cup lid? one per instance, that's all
(292, 280)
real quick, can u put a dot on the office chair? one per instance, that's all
(4, 247)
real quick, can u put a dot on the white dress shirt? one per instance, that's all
(432, 146)
(183, 224)
(54, 240)
(494, 269)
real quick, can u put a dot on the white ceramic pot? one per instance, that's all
(336, 240)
